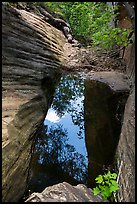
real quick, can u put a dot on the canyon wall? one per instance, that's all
(126, 153)
(126, 146)
(32, 54)
(129, 57)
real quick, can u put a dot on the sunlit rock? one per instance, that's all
(64, 192)
(31, 59)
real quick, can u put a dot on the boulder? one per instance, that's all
(64, 192)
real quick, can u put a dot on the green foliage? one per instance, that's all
(91, 22)
(106, 185)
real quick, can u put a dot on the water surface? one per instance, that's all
(79, 136)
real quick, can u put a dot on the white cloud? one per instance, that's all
(52, 116)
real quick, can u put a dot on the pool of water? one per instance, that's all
(79, 136)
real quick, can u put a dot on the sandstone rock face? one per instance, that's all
(126, 147)
(129, 57)
(115, 80)
(64, 192)
(126, 153)
(31, 59)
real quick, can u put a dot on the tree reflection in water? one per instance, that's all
(66, 100)
(54, 154)
(69, 89)
(82, 111)
(52, 149)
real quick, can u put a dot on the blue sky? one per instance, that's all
(66, 121)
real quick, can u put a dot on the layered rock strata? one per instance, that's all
(31, 59)
(126, 153)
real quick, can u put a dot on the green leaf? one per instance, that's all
(114, 176)
(99, 179)
(96, 191)
(106, 192)
(114, 186)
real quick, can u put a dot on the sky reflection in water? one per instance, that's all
(75, 135)
(60, 145)
(80, 122)
(67, 114)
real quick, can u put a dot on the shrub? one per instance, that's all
(91, 22)
(106, 185)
